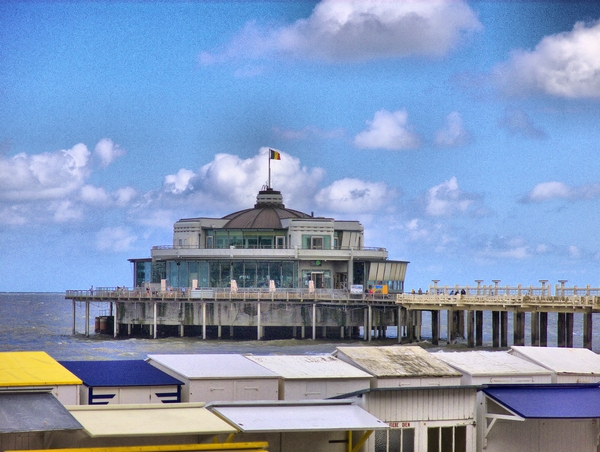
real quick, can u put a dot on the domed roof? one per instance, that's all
(266, 214)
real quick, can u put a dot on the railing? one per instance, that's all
(265, 247)
(226, 294)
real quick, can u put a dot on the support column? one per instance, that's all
(504, 329)
(496, 329)
(115, 320)
(302, 332)
(74, 316)
(478, 328)
(370, 320)
(561, 318)
(203, 320)
(543, 329)
(570, 329)
(535, 329)
(435, 327)
(419, 324)
(258, 325)
(399, 324)
(587, 330)
(519, 328)
(314, 321)
(87, 319)
(230, 331)
(450, 327)
(155, 322)
(471, 329)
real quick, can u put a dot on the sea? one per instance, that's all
(44, 322)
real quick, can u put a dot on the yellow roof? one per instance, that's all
(33, 369)
(149, 420)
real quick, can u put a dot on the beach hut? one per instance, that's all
(418, 395)
(480, 367)
(224, 377)
(38, 370)
(544, 418)
(397, 366)
(568, 365)
(313, 376)
(29, 419)
(124, 382)
(299, 426)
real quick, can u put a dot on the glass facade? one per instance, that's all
(219, 273)
(244, 238)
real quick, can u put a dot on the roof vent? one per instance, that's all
(269, 198)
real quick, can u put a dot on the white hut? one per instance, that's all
(568, 365)
(418, 395)
(397, 366)
(222, 377)
(313, 376)
(480, 367)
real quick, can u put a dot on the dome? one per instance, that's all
(266, 214)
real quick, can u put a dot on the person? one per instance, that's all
(420, 291)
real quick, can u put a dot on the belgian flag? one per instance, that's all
(274, 155)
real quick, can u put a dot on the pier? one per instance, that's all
(339, 314)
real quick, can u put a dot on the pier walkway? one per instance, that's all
(347, 312)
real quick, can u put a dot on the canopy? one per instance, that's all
(549, 402)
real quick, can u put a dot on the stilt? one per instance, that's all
(471, 329)
(561, 328)
(399, 324)
(155, 323)
(504, 329)
(496, 329)
(314, 321)
(87, 319)
(519, 328)
(535, 329)
(450, 327)
(587, 330)
(203, 320)
(258, 325)
(370, 321)
(543, 329)
(478, 328)
(435, 327)
(569, 322)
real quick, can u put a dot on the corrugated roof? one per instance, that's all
(297, 417)
(34, 412)
(480, 363)
(119, 373)
(33, 369)
(196, 366)
(398, 361)
(561, 360)
(149, 420)
(549, 402)
(309, 366)
(260, 218)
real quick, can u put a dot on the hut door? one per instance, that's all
(317, 278)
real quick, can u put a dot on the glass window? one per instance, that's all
(316, 243)
(395, 440)
(447, 439)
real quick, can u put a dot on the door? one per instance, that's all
(317, 279)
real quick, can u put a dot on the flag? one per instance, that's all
(274, 155)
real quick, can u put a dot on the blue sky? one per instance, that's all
(463, 135)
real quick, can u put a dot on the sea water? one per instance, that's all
(44, 322)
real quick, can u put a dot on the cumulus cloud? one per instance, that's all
(561, 65)
(307, 133)
(501, 247)
(50, 175)
(358, 30)
(354, 196)
(388, 130)
(517, 122)
(180, 182)
(447, 199)
(547, 191)
(107, 151)
(453, 133)
(115, 239)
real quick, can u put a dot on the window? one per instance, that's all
(316, 243)
(209, 242)
(280, 242)
(395, 440)
(447, 439)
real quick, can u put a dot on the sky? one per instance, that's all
(464, 136)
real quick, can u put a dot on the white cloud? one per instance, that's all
(388, 131)
(308, 132)
(108, 151)
(454, 133)
(547, 191)
(115, 239)
(447, 199)
(506, 248)
(562, 65)
(354, 196)
(574, 252)
(94, 195)
(359, 30)
(50, 175)
(180, 182)
(124, 195)
(65, 211)
(517, 122)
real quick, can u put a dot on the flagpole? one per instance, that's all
(269, 157)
